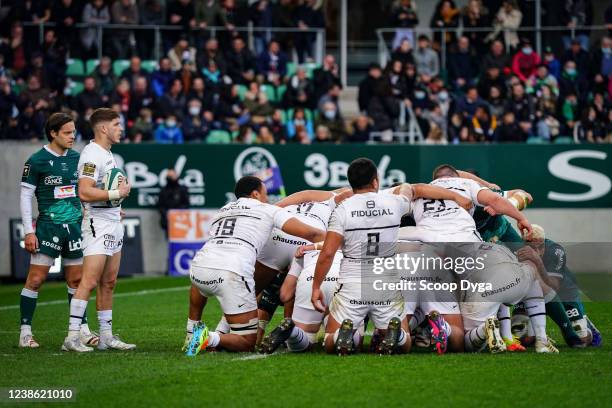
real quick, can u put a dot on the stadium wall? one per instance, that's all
(571, 184)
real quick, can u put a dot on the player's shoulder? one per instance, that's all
(73, 154)
(38, 156)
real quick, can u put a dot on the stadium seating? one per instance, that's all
(74, 67)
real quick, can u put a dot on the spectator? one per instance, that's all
(325, 77)
(590, 129)
(42, 99)
(234, 17)
(211, 53)
(65, 15)
(272, 64)
(601, 65)
(361, 129)
(540, 79)
(483, 124)
(577, 54)
(186, 75)
(395, 76)
(195, 127)
(492, 78)
(105, 78)
(368, 85)
(141, 97)
(525, 62)
(323, 135)
(496, 57)
(547, 126)
(571, 82)
(435, 136)
(212, 77)
(509, 130)
(410, 80)
(577, 13)
(17, 57)
(553, 64)
(54, 57)
(121, 97)
(467, 104)
(262, 14)
(198, 91)
(259, 108)
(405, 19)
(403, 53)
(151, 13)
(142, 130)
(463, 65)
(162, 77)
(90, 97)
(245, 135)
(299, 91)
(264, 136)
(241, 64)
(569, 112)
(446, 16)
(124, 42)
(426, 60)
(95, 12)
(208, 13)
(455, 128)
(333, 96)
(307, 16)
(299, 123)
(329, 117)
(523, 107)
(134, 71)
(496, 102)
(180, 13)
(384, 109)
(277, 128)
(169, 132)
(38, 69)
(30, 125)
(182, 53)
(172, 196)
(8, 105)
(172, 102)
(507, 20)
(474, 17)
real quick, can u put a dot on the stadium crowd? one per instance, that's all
(495, 87)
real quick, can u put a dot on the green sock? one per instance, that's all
(71, 292)
(556, 311)
(27, 305)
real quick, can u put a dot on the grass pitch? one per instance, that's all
(151, 312)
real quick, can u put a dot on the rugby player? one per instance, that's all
(366, 227)
(102, 233)
(443, 221)
(51, 175)
(224, 267)
(552, 260)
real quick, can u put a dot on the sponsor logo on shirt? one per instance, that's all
(89, 169)
(64, 192)
(53, 180)
(371, 213)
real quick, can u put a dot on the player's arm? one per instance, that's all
(287, 290)
(421, 190)
(333, 241)
(480, 181)
(25, 205)
(88, 192)
(293, 226)
(500, 205)
(306, 196)
(528, 254)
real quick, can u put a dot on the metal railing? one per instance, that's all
(212, 31)
(384, 51)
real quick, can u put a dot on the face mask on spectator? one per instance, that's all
(606, 50)
(443, 96)
(194, 110)
(570, 71)
(170, 123)
(330, 114)
(419, 94)
(527, 50)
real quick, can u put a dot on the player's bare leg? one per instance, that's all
(456, 340)
(37, 275)
(73, 275)
(197, 301)
(93, 268)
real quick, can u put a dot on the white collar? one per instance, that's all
(47, 148)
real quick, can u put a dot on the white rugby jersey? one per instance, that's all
(304, 268)
(94, 162)
(237, 233)
(369, 223)
(446, 216)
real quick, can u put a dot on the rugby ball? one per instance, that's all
(111, 181)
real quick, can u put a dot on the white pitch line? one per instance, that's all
(117, 295)
(252, 357)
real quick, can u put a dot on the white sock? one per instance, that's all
(503, 315)
(85, 329)
(105, 318)
(190, 324)
(356, 338)
(26, 330)
(403, 338)
(213, 339)
(71, 291)
(298, 340)
(475, 338)
(77, 310)
(223, 326)
(536, 309)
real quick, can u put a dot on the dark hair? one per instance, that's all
(246, 185)
(361, 172)
(444, 170)
(55, 123)
(102, 115)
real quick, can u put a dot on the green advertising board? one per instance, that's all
(558, 176)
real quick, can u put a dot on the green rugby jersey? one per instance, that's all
(55, 179)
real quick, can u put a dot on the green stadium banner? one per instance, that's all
(558, 176)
